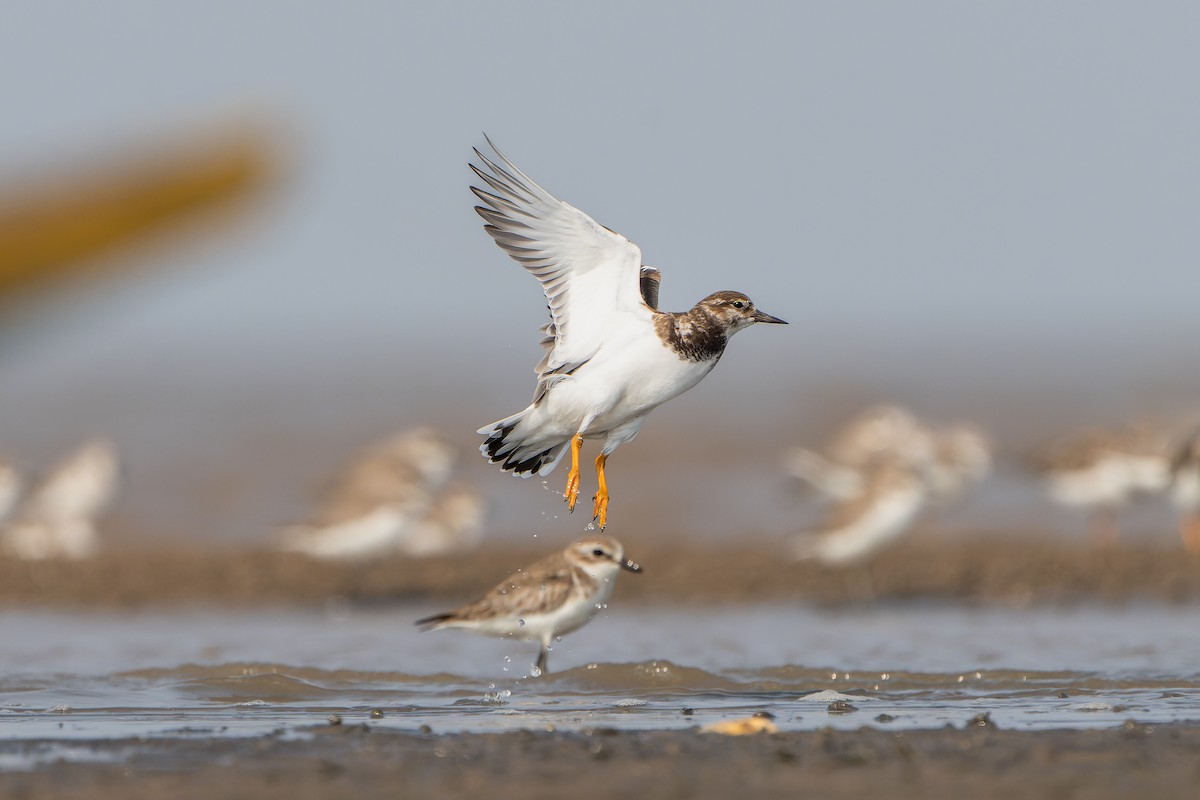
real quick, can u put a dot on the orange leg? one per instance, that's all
(571, 494)
(1189, 531)
(600, 501)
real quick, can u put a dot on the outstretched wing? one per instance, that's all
(591, 275)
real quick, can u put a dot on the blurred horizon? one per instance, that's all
(984, 213)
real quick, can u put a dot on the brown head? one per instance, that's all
(735, 310)
(600, 556)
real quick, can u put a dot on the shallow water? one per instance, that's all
(102, 676)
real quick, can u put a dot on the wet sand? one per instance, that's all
(363, 759)
(351, 761)
(1010, 569)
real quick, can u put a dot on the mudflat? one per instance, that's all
(1010, 568)
(348, 760)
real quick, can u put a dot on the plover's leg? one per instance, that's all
(571, 493)
(600, 501)
(543, 659)
(1189, 531)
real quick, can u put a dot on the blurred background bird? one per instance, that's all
(1185, 490)
(58, 518)
(891, 497)
(1101, 471)
(10, 488)
(395, 497)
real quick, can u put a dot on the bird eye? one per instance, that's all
(597, 552)
(738, 304)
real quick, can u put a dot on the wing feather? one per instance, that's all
(591, 276)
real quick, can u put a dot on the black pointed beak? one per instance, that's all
(761, 316)
(632, 566)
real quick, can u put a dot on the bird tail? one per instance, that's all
(512, 444)
(436, 621)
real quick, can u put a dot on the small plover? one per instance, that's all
(611, 356)
(892, 496)
(1185, 491)
(58, 518)
(394, 498)
(1103, 470)
(547, 600)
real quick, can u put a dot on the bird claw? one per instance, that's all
(600, 510)
(571, 494)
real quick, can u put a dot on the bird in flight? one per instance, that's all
(611, 355)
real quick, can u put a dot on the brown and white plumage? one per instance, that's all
(961, 457)
(393, 497)
(949, 459)
(891, 498)
(58, 518)
(887, 432)
(1185, 490)
(1103, 470)
(10, 488)
(452, 523)
(611, 356)
(548, 599)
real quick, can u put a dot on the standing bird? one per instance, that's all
(1104, 470)
(551, 598)
(1185, 491)
(611, 356)
(393, 498)
(58, 519)
(893, 494)
(10, 488)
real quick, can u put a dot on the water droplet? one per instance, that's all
(522, 622)
(558, 638)
(534, 672)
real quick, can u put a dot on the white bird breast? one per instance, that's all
(627, 379)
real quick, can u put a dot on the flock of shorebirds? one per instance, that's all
(886, 467)
(611, 357)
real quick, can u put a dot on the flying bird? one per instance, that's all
(611, 355)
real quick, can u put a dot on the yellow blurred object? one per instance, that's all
(746, 726)
(59, 224)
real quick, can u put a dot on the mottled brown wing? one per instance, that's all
(551, 578)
